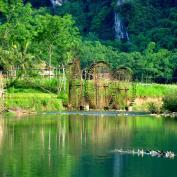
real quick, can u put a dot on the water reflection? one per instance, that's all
(1, 132)
(61, 145)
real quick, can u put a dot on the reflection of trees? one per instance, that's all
(1, 131)
(46, 143)
(53, 145)
(170, 124)
(99, 131)
(118, 165)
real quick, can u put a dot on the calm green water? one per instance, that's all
(79, 146)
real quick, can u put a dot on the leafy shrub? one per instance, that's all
(44, 103)
(154, 108)
(170, 102)
(64, 97)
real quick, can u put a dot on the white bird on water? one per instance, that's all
(153, 153)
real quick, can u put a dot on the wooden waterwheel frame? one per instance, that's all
(75, 84)
(101, 74)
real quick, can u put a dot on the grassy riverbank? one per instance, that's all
(32, 100)
(149, 97)
(154, 90)
(31, 97)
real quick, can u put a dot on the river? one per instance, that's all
(72, 145)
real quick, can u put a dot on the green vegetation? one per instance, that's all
(170, 102)
(151, 63)
(42, 95)
(35, 94)
(40, 84)
(150, 20)
(28, 36)
(32, 34)
(154, 108)
(154, 90)
(32, 100)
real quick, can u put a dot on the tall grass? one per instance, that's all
(34, 101)
(154, 90)
(37, 83)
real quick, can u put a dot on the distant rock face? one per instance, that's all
(120, 29)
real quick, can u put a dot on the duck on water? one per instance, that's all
(153, 153)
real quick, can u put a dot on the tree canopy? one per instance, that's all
(33, 31)
(27, 37)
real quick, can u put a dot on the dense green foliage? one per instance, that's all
(150, 63)
(29, 35)
(146, 21)
(170, 102)
(32, 101)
